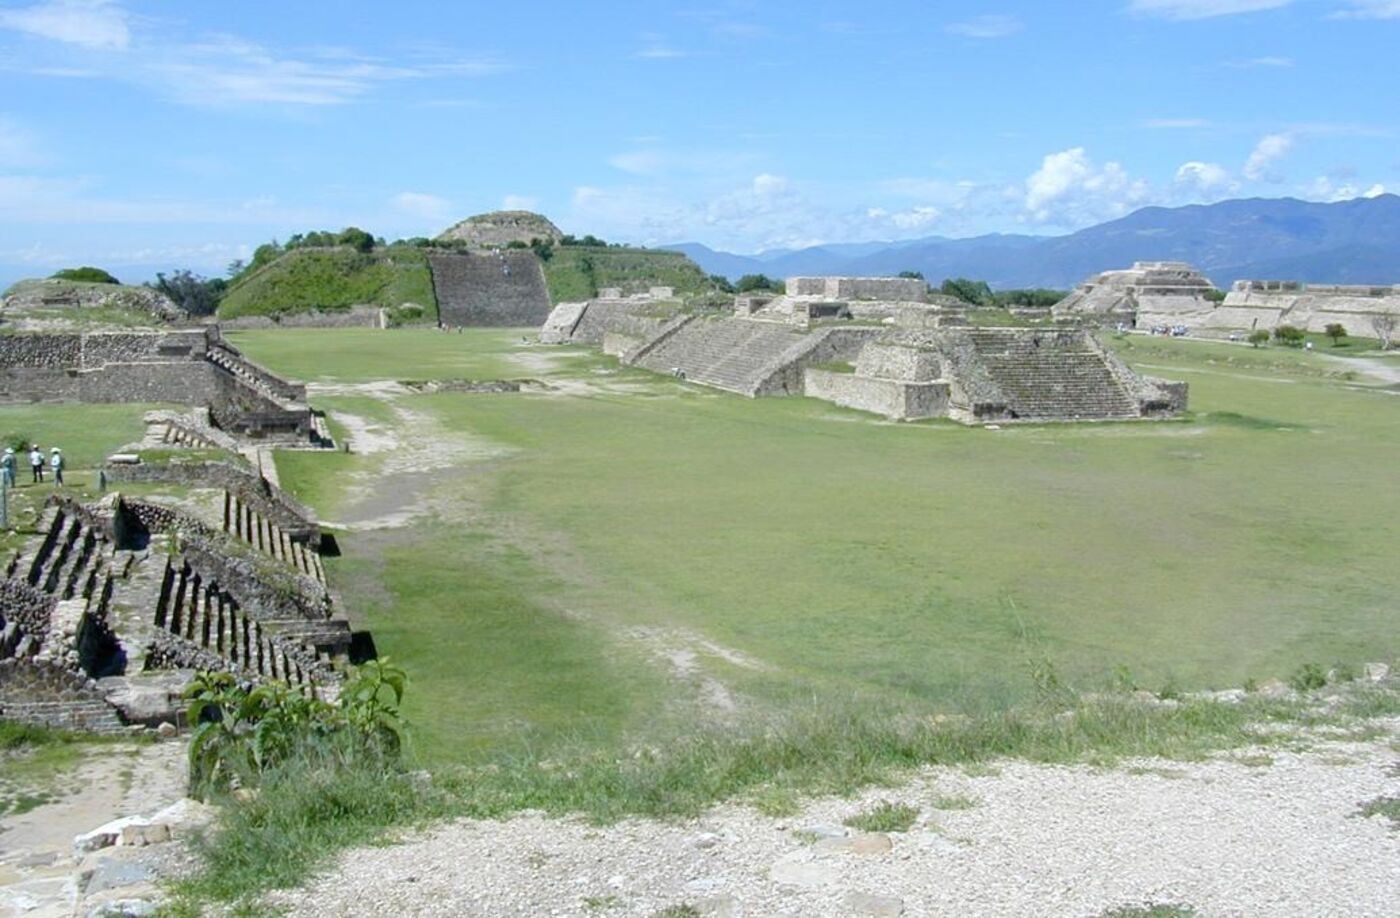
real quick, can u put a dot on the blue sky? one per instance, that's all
(146, 136)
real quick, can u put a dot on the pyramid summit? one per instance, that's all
(501, 228)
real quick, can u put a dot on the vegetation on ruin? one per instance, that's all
(337, 278)
(86, 274)
(577, 272)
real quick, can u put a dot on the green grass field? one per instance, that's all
(592, 563)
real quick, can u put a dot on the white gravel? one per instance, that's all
(1230, 836)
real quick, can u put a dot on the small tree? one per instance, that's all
(911, 275)
(1383, 324)
(356, 238)
(1289, 335)
(751, 282)
(1258, 337)
(1336, 331)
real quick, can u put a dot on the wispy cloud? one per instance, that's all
(1201, 9)
(218, 69)
(1255, 62)
(656, 48)
(1370, 9)
(992, 25)
(1176, 124)
(89, 23)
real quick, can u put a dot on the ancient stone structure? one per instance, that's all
(894, 289)
(44, 296)
(186, 366)
(920, 360)
(976, 375)
(110, 597)
(500, 228)
(1147, 294)
(504, 288)
(1254, 304)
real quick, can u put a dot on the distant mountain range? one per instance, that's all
(1349, 242)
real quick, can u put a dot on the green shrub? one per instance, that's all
(1258, 337)
(1308, 678)
(86, 274)
(1290, 335)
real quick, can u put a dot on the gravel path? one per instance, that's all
(1236, 835)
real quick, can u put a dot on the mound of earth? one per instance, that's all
(500, 228)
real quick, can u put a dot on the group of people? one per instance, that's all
(37, 462)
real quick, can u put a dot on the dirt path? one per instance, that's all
(1241, 834)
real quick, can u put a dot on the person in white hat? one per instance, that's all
(56, 463)
(36, 462)
(7, 467)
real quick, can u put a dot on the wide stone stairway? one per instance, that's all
(1054, 375)
(502, 290)
(732, 354)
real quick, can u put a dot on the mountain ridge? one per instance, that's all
(1346, 242)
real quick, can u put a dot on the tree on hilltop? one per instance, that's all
(86, 274)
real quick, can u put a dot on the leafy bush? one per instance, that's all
(1214, 296)
(1289, 335)
(198, 296)
(244, 732)
(751, 282)
(1309, 678)
(86, 274)
(1034, 297)
(1258, 337)
(976, 292)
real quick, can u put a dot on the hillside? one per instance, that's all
(332, 279)
(577, 272)
(1348, 242)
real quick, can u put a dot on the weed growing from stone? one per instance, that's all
(885, 817)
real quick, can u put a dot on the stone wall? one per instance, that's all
(362, 315)
(44, 693)
(30, 609)
(1268, 304)
(898, 361)
(262, 495)
(906, 289)
(892, 398)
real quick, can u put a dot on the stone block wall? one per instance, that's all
(906, 289)
(45, 693)
(30, 609)
(892, 398)
(489, 290)
(896, 361)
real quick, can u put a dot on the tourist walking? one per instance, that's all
(56, 463)
(7, 467)
(36, 463)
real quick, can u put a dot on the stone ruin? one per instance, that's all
(500, 228)
(111, 609)
(905, 359)
(1168, 293)
(193, 366)
(28, 299)
(501, 288)
(1147, 294)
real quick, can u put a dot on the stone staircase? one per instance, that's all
(505, 289)
(70, 560)
(732, 354)
(246, 524)
(200, 615)
(1052, 376)
(285, 394)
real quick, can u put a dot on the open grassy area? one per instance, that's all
(365, 354)
(788, 550)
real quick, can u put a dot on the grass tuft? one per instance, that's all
(885, 817)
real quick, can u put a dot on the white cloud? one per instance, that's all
(1197, 179)
(1324, 188)
(656, 48)
(1270, 149)
(1370, 9)
(993, 25)
(1069, 189)
(1201, 9)
(98, 24)
(1253, 62)
(422, 206)
(912, 219)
